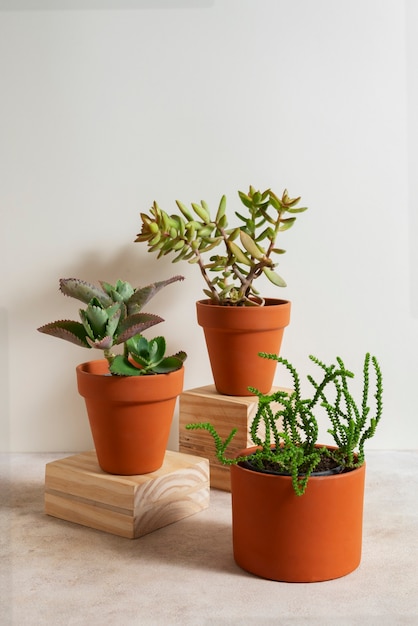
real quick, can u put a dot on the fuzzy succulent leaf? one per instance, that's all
(104, 343)
(115, 313)
(101, 324)
(142, 295)
(74, 332)
(135, 324)
(113, 317)
(83, 291)
(95, 319)
(120, 292)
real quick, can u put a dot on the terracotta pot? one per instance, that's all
(285, 537)
(234, 337)
(130, 416)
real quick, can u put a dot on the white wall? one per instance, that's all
(101, 111)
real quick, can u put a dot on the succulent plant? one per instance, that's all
(290, 444)
(247, 249)
(114, 316)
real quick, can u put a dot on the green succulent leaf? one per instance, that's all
(221, 211)
(298, 210)
(135, 324)
(276, 203)
(183, 208)
(74, 332)
(287, 223)
(120, 366)
(250, 246)
(114, 314)
(120, 292)
(246, 200)
(144, 352)
(83, 291)
(192, 233)
(103, 343)
(201, 212)
(95, 318)
(274, 277)
(239, 254)
(170, 363)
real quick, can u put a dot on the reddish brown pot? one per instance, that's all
(234, 337)
(130, 416)
(285, 537)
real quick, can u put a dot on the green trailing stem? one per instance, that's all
(293, 446)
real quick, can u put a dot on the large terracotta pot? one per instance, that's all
(130, 416)
(285, 537)
(234, 337)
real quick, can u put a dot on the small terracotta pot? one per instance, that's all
(234, 337)
(281, 536)
(130, 416)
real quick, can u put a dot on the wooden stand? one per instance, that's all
(205, 404)
(77, 490)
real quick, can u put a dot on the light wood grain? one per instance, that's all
(77, 490)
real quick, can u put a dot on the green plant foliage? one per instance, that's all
(114, 316)
(149, 357)
(293, 446)
(248, 250)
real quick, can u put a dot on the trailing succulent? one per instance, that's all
(290, 443)
(114, 316)
(247, 249)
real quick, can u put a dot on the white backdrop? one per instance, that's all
(103, 111)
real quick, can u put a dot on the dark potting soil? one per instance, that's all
(326, 465)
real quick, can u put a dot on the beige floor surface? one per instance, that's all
(56, 573)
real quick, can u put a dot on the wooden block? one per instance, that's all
(77, 490)
(205, 404)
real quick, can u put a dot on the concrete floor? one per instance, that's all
(57, 573)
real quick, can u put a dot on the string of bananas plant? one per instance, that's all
(290, 441)
(248, 249)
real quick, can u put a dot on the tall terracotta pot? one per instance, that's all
(234, 337)
(130, 416)
(310, 538)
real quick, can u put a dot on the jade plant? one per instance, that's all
(290, 441)
(113, 317)
(247, 249)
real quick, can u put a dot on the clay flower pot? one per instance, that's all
(130, 416)
(234, 337)
(310, 538)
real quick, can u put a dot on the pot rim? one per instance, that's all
(82, 368)
(129, 387)
(268, 302)
(273, 475)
